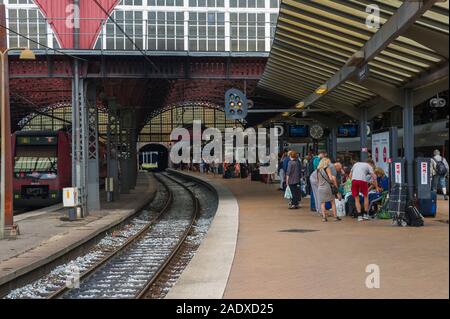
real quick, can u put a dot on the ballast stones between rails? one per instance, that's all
(57, 278)
(125, 275)
(208, 200)
(131, 269)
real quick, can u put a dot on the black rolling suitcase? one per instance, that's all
(255, 176)
(244, 172)
(350, 207)
(428, 207)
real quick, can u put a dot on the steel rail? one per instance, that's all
(154, 279)
(129, 241)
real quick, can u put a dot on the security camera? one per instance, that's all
(438, 102)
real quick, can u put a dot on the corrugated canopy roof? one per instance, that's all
(315, 41)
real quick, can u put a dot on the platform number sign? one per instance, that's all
(236, 105)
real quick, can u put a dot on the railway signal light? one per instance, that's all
(236, 105)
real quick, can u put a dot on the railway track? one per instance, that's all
(133, 270)
(208, 200)
(145, 258)
(54, 284)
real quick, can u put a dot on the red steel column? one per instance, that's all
(6, 121)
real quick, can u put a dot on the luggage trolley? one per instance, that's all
(398, 198)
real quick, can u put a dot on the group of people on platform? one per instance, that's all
(228, 170)
(330, 182)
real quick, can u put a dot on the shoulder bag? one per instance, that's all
(334, 189)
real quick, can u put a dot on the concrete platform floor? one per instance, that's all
(285, 253)
(45, 236)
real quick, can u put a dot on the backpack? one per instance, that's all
(316, 161)
(413, 216)
(350, 207)
(441, 170)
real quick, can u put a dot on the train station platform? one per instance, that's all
(46, 235)
(285, 253)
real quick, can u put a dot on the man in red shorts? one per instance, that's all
(360, 175)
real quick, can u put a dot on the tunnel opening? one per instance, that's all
(153, 157)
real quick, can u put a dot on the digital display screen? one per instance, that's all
(298, 131)
(347, 131)
(36, 140)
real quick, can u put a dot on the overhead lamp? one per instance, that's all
(300, 105)
(27, 54)
(322, 89)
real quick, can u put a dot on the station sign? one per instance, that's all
(398, 173)
(423, 178)
(36, 140)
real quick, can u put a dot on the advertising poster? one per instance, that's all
(380, 150)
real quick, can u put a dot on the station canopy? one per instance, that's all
(337, 46)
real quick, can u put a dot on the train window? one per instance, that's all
(32, 160)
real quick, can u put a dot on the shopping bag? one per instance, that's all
(340, 207)
(287, 193)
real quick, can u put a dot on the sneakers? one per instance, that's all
(337, 219)
(363, 217)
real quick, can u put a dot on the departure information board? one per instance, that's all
(298, 131)
(36, 140)
(347, 131)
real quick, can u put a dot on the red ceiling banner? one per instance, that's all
(60, 17)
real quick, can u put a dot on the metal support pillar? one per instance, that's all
(408, 139)
(363, 134)
(93, 176)
(332, 142)
(112, 151)
(6, 163)
(126, 130)
(133, 151)
(84, 138)
(80, 129)
(134, 157)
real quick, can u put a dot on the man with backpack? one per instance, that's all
(316, 159)
(439, 171)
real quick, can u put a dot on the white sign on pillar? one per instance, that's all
(381, 150)
(424, 173)
(398, 173)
